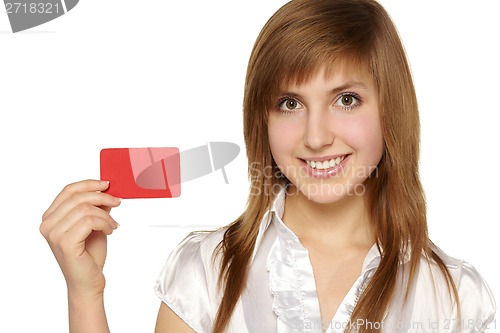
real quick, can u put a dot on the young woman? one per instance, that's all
(334, 237)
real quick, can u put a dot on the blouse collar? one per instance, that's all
(277, 209)
(372, 259)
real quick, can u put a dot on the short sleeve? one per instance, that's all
(477, 302)
(184, 284)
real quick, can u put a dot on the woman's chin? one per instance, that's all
(327, 193)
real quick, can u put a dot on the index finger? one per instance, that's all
(89, 185)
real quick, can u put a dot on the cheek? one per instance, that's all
(364, 135)
(283, 136)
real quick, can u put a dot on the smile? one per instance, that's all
(323, 165)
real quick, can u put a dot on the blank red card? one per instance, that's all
(141, 172)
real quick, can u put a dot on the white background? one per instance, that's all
(163, 73)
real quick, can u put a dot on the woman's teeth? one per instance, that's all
(325, 164)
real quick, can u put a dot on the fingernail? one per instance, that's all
(117, 199)
(104, 182)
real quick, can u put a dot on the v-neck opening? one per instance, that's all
(294, 289)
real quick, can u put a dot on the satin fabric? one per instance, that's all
(280, 295)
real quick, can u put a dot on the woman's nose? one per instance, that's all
(318, 131)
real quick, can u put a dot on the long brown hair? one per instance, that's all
(298, 39)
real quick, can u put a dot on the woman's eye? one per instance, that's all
(348, 101)
(289, 104)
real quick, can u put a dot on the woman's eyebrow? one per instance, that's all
(334, 91)
(349, 85)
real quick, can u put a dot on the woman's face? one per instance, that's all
(325, 134)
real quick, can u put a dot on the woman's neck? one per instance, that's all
(346, 221)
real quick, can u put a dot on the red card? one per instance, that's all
(141, 172)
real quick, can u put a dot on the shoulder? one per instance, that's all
(477, 302)
(197, 248)
(188, 280)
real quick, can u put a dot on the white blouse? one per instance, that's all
(280, 295)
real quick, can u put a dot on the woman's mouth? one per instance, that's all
(325, 167)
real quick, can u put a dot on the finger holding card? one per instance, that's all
(75, 226)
